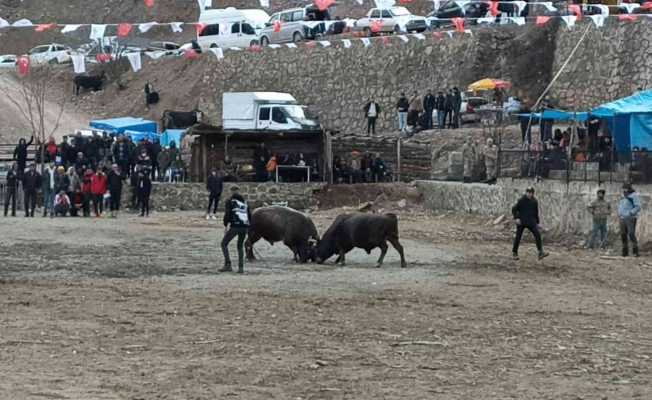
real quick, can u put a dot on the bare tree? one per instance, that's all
(31, 98)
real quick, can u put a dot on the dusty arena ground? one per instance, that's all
(134, 309)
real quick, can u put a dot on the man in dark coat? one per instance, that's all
(457, 107)
(214, 185)
(236, 221)
(115, 189)
(20, 155)
(261, 157)
(144, 191)
(526, 216)
(31, 182)
(440, 105)
(448, 109)
(371, 111)
(10, 194)
(402, 107)
(429, 104)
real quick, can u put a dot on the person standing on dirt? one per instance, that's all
(236, 221)
(31, 182)
(144, 191)
(98, 189)
(10, 194)
(48, 187)
(114, 182)
(526, 216)
(629, 208)
(214, 185)
(600, 209)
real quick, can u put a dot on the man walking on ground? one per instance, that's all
(10, 195)
(214, 186)
(236, 222)
(371, 111)
(629, 208)
(402, 107)
(429, 103)
(114, 183)
(31, 182)
(440, 105)
(526, 216)
(600, 210)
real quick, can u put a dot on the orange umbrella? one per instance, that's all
(489, 84)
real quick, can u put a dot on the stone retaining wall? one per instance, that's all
(562, 207)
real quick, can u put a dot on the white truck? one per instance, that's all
(256, 111)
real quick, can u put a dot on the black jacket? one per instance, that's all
(114, 182)
(145, 186)
(236, 212)
(527, 210)
(440, 103)
(368, 105)
(449, 103)
(214, 184)
(20, 153)
(12, 180)
(31, 181)
(403, 104)
(429, 102)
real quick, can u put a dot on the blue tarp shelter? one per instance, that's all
(557, 115)
(630, 121)
(172, 135)
(138, 136)
(120, 125)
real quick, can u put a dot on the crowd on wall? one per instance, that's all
(297, 165)
(360, 168)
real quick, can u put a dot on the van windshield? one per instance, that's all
(297, 113)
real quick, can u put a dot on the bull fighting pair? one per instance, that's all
(298, 232)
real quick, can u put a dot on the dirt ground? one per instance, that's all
(135, 309)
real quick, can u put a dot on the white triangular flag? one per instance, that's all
(176, 27)
(361, 2)
(470, 32)
(274, 46)
(235, 48)
(97, 31)
(325, 43)
(146, 26)
(630, 7)
(548, 5)
(264, 3)
(22, 23)
(3, 23)
(419, 36)
(518, 20)
(520, 6)
(218, 52)
(604, 10)
(366, 41)
(78, 63)
(291, 45)
(486, 20)
(403, 38)
(346, 43)
(598, 20)
(135, 61)
(70, 28)
(450, 33)
(569, 20)
(462, 5)
(385, 3)
(155, 55)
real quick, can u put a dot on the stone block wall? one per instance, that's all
(562, 207)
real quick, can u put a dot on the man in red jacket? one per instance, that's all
(87, 191)
(98, 189)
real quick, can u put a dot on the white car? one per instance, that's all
(54, 53)
(393, 19)
(8, 61)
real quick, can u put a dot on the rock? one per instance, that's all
(366, 206)
(499, 220)
(402, 203)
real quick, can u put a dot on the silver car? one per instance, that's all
(294, 25)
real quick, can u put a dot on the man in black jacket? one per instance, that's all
(440, 104)
(31, 182)
(526, 216)
(402, 108)
(457, 107)
(10, 195)
(429, 103)
(236, 221)
(114, 183)
(20, 155)
(214, 185)
(448, 106)
(371, 111)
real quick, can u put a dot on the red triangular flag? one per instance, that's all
(200, 27)
(493, 8)
(23, 65)
(103, 58)
(124, 30)
(627, 17)
(323, 5)
(576, 9)
(647, 6)
(255, 48)
(376, 26)
(405, 1)
(385, 40)
(277, 26)
(438, 35)
(311, 44)
(44, 27)
(542, 20)
(149, 3)
(190, 54)
(459, 24)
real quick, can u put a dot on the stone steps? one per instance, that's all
(616, 176)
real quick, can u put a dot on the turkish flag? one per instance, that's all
(45, 27)
(438, 35)
(311, 44)
(576, 9)
(103, 58)
(124, 30)
(255, 48)
(542, 20)
(190, 54)
(200, 27)
(647, 6)
(493, 8)
(376, 26)
(459, 24)
(277, 26)
(323, 5)
(405, 1)
(627, 17)
(385, 40)
(149, 3)
(23, 65)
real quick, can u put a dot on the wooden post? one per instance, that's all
(398, 160)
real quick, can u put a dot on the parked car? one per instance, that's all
(393, 19)
(8, 61)
(296, 24)
(452, 9)
(231, 27)
(468, 108)
(165, 46)
(50, 53)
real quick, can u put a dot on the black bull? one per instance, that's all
(365, 231)
(282, 224)
(180, 119)
(88, 82)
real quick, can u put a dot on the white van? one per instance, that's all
(231, 27)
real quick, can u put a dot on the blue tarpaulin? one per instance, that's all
(120, 125)
(172, 135)
(630, 121)
(138, 136)
(557, 115)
